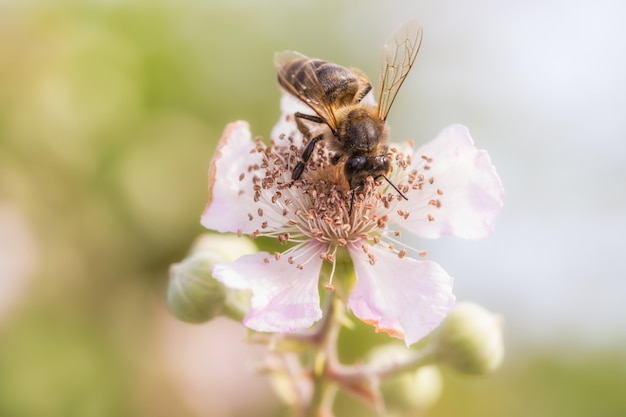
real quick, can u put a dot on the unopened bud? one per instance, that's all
(193, 295)
(410, 392)
(470, 340)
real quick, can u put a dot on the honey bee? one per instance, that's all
(358, 131)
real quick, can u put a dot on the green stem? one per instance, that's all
(320, 386)
(323, 388)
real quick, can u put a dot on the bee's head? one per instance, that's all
(359, 167)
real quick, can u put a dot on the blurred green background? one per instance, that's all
(110, 111)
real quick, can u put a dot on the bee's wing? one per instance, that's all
(398, 56)
(297, 75)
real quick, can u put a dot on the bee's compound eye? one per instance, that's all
(380, 163)
(355, 163)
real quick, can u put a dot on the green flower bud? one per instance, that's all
(470, 340)
(410, 392)
(193, 295)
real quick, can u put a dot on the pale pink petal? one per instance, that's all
(404, 297)
(284, 296)
(286, 127)
(231, 206)
(465, 195)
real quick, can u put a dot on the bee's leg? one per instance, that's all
(309, 117)
(303, 127)
(308, 150)
(353, 195)
(306, 155)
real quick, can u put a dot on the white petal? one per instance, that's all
(465, 184)
(404, 297)
(286, 125)
(231, 206)
(284, 297)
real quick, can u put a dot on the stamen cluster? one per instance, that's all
(316, 205)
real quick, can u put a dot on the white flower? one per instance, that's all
(451, 188)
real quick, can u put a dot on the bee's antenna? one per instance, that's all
(386, 179)
(394, 186)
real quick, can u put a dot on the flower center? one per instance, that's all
(316, 206)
